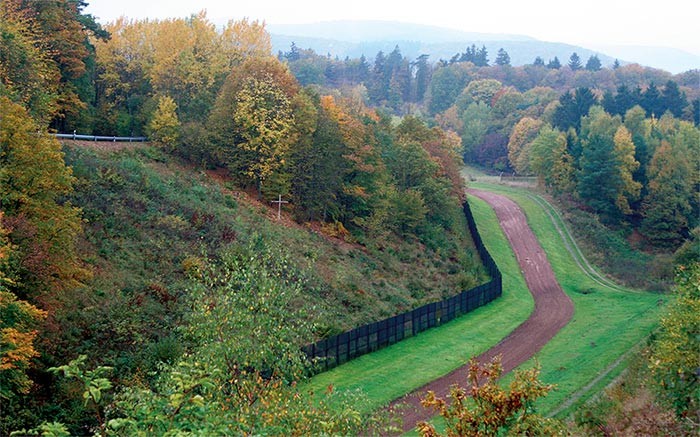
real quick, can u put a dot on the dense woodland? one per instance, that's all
(116, 283)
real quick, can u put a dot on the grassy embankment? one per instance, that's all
(149, 215)
(400, 368)
(608, 322)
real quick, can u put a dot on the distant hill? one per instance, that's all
(667, 58)
(363, 31)
(355, 38)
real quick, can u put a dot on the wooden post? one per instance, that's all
(279, 203)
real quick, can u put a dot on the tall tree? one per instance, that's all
(651, 101)
(318, 166)
(378, 87)
(666, 207)
(28, 75)
(554, 64)
(502, 58)
(593, 63)
(446, 84)
(538, 62)
(673, 99)
(574, 62)
(599, 181)
(524, 132)
(626, 166)
(573, 106)
(640, 129)
(423, 75)
(164, 126)
(252, 120)
(42, 226)
(66, 34)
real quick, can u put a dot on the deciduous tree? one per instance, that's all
(42, 226)
(518, 145)
(164, 126)
(626, 164)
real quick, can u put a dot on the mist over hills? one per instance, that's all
(356, 38)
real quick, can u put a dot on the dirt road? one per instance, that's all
(553, 310)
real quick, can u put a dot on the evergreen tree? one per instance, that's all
(482, 57)
(624, 100)
(608, 103)
(593, 63)
(502, 58)
(293, 53)
(651, 101)
(378, 87)
(673, 99)
(599, 181)
(538, 62)
(554, 64)
(422, 77)
(616, 65)
(318, 166)
(362, 73)
(573, 106)
(575, 62)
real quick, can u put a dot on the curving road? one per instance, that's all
(553, 310)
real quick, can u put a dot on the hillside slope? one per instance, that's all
(152, 220)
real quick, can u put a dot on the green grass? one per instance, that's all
(148, 213)
(405, 366)
(608, 321)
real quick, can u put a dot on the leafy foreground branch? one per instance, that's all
(485, 409)
(240, 374)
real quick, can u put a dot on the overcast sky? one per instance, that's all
(665, 23)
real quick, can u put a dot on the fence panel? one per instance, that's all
(344, 347)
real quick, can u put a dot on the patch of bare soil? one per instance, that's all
(553, 310)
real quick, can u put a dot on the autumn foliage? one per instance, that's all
(485, 409)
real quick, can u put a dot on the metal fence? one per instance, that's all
(100, 138)
(341, 348)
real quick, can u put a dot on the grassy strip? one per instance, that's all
(405, 366)
(607, 321)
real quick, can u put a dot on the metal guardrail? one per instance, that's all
(74, 136)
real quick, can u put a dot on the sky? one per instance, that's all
(667, 23)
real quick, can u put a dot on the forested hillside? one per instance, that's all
(147, 272)
(151, 289)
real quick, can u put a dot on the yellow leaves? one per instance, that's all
(245, 39)
(163, 127)
(492, 410)
(16, 348)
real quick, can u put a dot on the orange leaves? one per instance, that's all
(17, 334)
(17, 348)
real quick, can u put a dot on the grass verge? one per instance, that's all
(405, 366)
(608, 320)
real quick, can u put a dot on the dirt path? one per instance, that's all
(553, 310)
